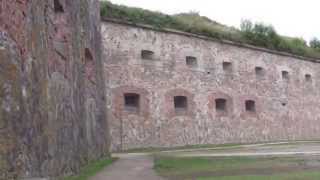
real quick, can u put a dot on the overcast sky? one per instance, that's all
(298, 18)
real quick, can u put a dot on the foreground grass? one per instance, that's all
(237, 168)
(311, 175)
(188, 165)
(91, 169)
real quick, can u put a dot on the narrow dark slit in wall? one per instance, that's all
(285, 75)
(89, 66)
(88, 55)
(58, 8)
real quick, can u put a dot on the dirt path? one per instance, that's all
(129, 166)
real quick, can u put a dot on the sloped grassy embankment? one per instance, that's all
(257, 34)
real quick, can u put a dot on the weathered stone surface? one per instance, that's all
(284, 109)
(52, 93)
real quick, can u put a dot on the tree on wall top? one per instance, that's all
(315, 43)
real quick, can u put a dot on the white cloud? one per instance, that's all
(298, 18)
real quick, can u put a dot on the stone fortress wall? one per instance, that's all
(168, 88)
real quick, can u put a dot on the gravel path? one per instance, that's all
(274, 149)
(311, 153)
(129, 167)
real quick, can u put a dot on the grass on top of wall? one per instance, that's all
(91, 169)
(257, 34)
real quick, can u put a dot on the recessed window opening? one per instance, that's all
(250, 106)
(132, 101)
(227, 67)
(58, 8)
(259, 71)
(308, 77)
(148, 55)
(180, 103)
(221, 104)
(191, 61)
(285, 75)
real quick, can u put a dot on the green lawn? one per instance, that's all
(311, 175)
(91, 169)
(238, 168)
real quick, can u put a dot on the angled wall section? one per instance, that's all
(52, 93)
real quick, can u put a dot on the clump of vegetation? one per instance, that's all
(260, 34)
(315, 43)
(263, 35)
(257, 34)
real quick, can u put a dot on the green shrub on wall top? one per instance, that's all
(315, 43)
